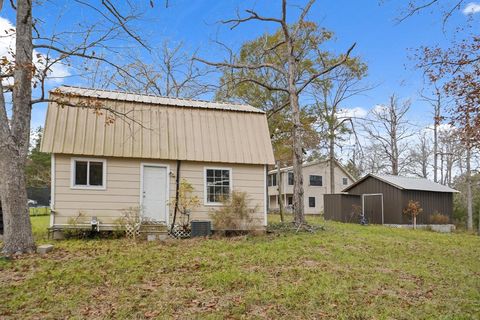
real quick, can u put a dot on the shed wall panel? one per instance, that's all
(340, 207)
(392, 198)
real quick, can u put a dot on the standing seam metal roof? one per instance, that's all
(179, 130)
(406, 183)
(151, 99)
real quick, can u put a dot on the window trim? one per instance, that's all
(345, 181)
(87, 187)
(205, 193)
(310, 181)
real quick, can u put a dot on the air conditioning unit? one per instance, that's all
(201, 228)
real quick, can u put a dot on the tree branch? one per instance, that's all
(326, 70)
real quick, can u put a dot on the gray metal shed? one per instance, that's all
(393, 194)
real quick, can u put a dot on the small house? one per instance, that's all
(113, 150)
(316, 183)
(384, 197)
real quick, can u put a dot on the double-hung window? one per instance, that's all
(218, 185)
(88, 173)
(345, 181)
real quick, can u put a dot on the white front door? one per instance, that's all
(154, 193)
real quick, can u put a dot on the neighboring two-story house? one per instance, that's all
(316, 183)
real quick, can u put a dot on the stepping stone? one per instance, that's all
(44, 248)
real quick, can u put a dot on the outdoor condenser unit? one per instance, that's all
(201, 228)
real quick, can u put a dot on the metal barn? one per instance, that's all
(384, 197)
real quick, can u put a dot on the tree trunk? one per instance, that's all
(479, 221)
(435, 144)
(279, 188)
(393, 135)
(18, 236)
(298, 205)
(441, 168)
(469, 190)
(332, 161)
(414, 222)
(15, 135)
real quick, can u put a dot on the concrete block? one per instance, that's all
(44, 248)
(58, 235)
(162, 237)
(151, 237)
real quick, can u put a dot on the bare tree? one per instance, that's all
(290, 52)
(171, 73)
(447, 7)
(331, 93)
(373, 160)
(437, 102)
(389, 128)
(420, 153)
(451, 153)
(30, 66)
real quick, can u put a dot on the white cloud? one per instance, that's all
(380, 108)
(357, 112)
(471, 8)
(7, 45)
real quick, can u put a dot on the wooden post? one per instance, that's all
(279, 188)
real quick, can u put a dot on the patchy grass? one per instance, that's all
(346, 271)
(39, 227)
(39, 211)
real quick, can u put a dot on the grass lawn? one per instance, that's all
(346, 271)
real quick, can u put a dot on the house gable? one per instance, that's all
(139, 127)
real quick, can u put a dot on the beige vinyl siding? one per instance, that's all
(320, 169)
(123, 188)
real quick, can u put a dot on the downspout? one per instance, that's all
(177, 186)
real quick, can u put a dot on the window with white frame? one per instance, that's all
(88, 173)
(218, 185)
(345, 181)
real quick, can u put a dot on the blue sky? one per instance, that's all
(381, 42)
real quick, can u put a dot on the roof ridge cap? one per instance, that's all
(157, 96)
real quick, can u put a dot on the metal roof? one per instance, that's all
(179, 130)
(406, 183)
(151, 99)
